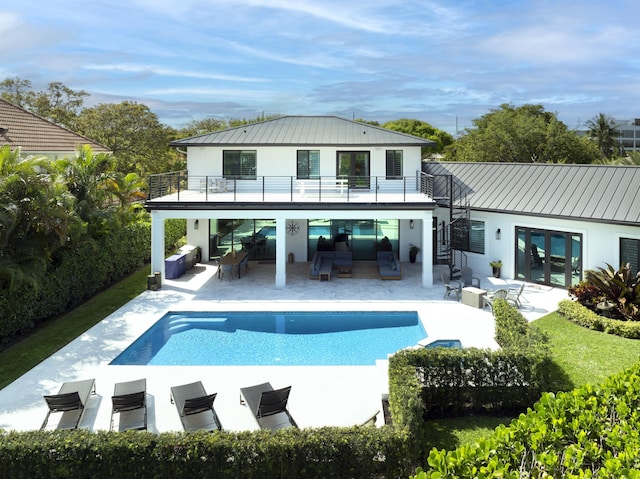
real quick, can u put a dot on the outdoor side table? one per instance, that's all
(474, 297)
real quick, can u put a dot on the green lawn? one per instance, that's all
(55, 333)
(580, 356)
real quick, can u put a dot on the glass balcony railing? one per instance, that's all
(180, 186)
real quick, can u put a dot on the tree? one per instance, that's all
(423, 130)
(139, 142)
(602, 130)
(526, 134)
(17, 91)
(57, 103)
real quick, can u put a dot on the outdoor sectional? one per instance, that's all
(388, 265)
(324, 261)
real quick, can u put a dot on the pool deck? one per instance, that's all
(320, 395)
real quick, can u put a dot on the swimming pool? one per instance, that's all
(273, 339)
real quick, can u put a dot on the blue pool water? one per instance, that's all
(271, 339)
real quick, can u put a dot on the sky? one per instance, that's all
(439, 61)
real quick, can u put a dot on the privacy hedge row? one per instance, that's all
(78, 273)
(439, 382)
(588, 432)
(358, 452)
(579, 314)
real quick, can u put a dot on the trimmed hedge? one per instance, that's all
(78, 273)
(588, 432)
(357, 452)
(579, 314)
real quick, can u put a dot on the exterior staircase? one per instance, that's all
(453, 237)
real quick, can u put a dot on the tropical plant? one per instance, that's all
(602, 130)
(619, 287)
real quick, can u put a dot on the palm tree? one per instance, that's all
(602, 130)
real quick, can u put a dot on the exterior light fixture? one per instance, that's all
(498, 233)
(196, 224)
(411, 224)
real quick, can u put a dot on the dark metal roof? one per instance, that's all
(305, 130)
(34, 134)
(603, 193)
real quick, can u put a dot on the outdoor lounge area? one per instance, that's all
(314, 390)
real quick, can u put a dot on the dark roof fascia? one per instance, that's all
(555, 217)
(200, 206)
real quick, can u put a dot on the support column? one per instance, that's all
(157, 244)
(427, 251)
(281, 253)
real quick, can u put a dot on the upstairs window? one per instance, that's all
(239, 164)
(308, 164)
(394, 164)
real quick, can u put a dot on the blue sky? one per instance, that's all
(440, 61)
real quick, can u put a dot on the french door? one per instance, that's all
(548, 257)
(354, 165)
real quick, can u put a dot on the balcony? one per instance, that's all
(180, 187)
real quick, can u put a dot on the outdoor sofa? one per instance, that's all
(326, 261)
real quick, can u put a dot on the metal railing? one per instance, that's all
(180, 186)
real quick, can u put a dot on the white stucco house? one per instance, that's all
(274, 188)
(280, 187)
(547, 223)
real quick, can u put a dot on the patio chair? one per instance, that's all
(268, 405)
(226, 270)
(195, 407)
(129, 402)
(468, 279)
(71, 401)
(513, 296)
(243, 266)
(451, 288)
(491, 297)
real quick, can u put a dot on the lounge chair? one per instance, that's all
(195, 407)
(513, 295)
(71, 401)
(451, 288)
(130, 404)
(468, 279)
(268, 405)
(491, 297)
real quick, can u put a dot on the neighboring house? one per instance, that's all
(35, 136)
(283, 188)
(547, 223)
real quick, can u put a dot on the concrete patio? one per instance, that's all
(335, 395)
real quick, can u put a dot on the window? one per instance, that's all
(476, 237)
(308, 164)
(468, 236)
(394, 164)
(630, 253)
(239, 164)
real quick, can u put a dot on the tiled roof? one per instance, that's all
(602, 193)
(305, 130)
(34, 134)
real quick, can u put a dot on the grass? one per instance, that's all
(55, 333)
(580, 356)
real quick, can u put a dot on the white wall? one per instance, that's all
(281, 161)
(600, 242)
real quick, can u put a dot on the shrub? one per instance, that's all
(588, 432)
(579, 314)
(620, 288)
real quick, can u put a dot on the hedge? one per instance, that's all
(77, 273)
(579, 314)
(357, 452)
(587, 432)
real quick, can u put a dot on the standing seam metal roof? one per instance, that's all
(603, 193)
(305, 130)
